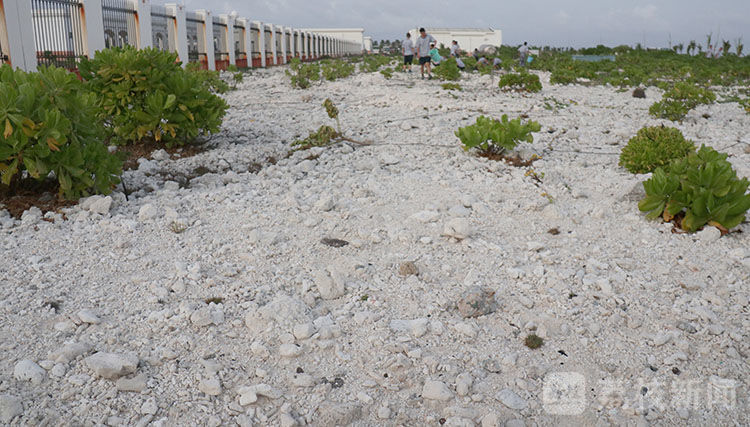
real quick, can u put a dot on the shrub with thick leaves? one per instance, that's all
(447, 70)
(654, 147)
(48, 124)
(679, 100)
(146, 95)
(496, 136)
(302, 75)
(520, 82)
(703, 187)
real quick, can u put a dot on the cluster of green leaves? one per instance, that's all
(451, 86)
(496, 136)
(745, 104)
(553, 104)
(211, 80)
(320, 138)
(634, 66)
(303, 74)
(654, 147)
(146, 95)
(701, 186)
(237, 75)
(447, 70)
(679, 100)
(372, 63)
(48, 124)
(387, 73)
(520, 82)
(336, 69)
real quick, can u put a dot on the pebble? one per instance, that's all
(490, 419)
(687, 327)
(210, 386)
(463, 384)
(329, 283)
(337, 414)
(136, 384)
(426, 216)
(384, 413)
(416, 327)
(708, 234)
(149, 407)
(290, 350)
(325, 204)
(147, 212)
(303, 331)
(476, 302)
(88, 316)
(101, 205)
(28, 370)
(10, 407)
(408, 268)
(510, 399)
(457, 228)
(436, 390)
(112, 365)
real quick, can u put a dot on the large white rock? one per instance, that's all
(69, 352)
(330, 284)
(10, 407)
(510, 399)
(458, 228)
(436, 390)
(147, 212)
(28, 370)
(112, 365)
(101, 205)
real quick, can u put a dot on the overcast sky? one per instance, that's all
(542, 22)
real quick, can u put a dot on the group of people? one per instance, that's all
(426, 51)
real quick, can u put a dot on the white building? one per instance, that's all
(354, 35)
(468, 38)
(367, 46)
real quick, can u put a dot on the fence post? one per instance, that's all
(248, 41)
(283, 44)
(292, 42)
(208, 37)
(261, 43)
(143, 16)
(229, 20)
(180, 31)
(274, 59)
(93, 23)
(18, 37)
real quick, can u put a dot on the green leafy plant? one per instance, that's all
(533, 341)
(303, 74)
(387, 73)
(372, 63)
(320, 138)
(48, 124)
(679, 100)
(336, 69)
(451, 86)
(496, 136)
(447, 70)
(699, 189)
(745, 104)
(520, 82)
(146, 95)
(654, 147)
(211, 80)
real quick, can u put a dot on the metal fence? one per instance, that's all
(195, 42)
(58, 32)
(221, 50)
(3, 56)
(240, 50)
(162, 28)
(119, 23)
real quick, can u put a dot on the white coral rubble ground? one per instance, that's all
(208, 298)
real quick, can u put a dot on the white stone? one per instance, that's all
(160, 155)
(303, 331)
(708, 234)
(149, 407)
(136, 384)
(510, 399)
(147, 212)
(28, 370)
(463, 384)
(416, 327)
(384, 412)
(364, 398)
(325, 203)
(10, 407)
(88, 316)
(457, 228)
(328, 285)
(69, 352)
(112, 365)
(210, 386)
(436, 390)
(101, 205)
(290, 350)
(426, 216)
(490, 419)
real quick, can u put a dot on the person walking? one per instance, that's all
(423, 51)
(454, 49)
(523, 51)
(407, 49)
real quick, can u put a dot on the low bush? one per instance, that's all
(470, 62)
(372, 63)
(520, 82)
(302, 75)
(451, 86)
(679, 100)
(496, 136)
(211, 80)
(447, 70)
(745, 104)
(654, 147)
(563, 76)
(48, 124)
(336, 69)
(325, 135)
(699, 189)
(387, 73)
(146, 95)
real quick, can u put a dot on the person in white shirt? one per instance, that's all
(407, 49)
(523, 51)
(454, 49)
(423, 51)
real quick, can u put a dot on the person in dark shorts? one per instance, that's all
(423, 51)
(407, 49)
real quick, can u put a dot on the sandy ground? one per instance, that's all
(210, 298)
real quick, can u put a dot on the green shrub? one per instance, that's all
(563, 77)
(520, 82)
(387, 73)
(211, 80)
(496, 136)
(146, 95)
(322, 137)
(699, 189)
(447, 70)
(451, 86)
(745, 104)
(682, 98)
(336, 69)
(372, 63)
(301, 75)
(654, 147)
(470, 62)
(48, 124)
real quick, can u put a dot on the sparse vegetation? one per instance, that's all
(654, 147)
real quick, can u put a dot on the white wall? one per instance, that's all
(468, 39)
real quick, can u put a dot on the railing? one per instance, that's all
(162, 29)
(58, 32)
(196, 44)
(222, 60)
(119, 23)
(3, 56)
